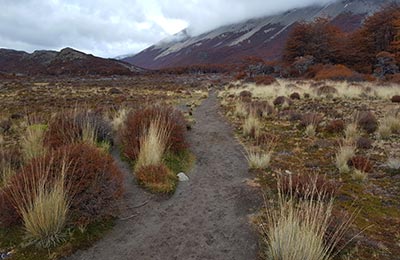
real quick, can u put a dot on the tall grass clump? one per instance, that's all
(251, 125)
(351, 133)
(43, 205)
(343, 155)
(259, 159)
(153, 143)
(241, 110)
(299, 228)
(119, 119)
(32, 145)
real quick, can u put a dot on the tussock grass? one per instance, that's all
(119, 119)
(384, 131)
(388, 125)
(241, 110)
(6, 172)
(351, 133)
(43, 206)
(297, 228)
(251, 125)
(32, 145)
(153, 144)
(393, 163)
(259, 159)
(343, 155)
(311, 130)
(359, 175)
(89, 134)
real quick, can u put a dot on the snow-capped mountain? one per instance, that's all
(263, 37)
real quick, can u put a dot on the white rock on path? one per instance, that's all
(183, 177)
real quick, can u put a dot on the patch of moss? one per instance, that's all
(13, 238)
(181, 162)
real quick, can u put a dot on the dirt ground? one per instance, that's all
(207, 218)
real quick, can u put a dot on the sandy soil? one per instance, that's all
(207, 217)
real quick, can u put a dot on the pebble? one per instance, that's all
(183, 177)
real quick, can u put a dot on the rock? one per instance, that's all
(183, 177)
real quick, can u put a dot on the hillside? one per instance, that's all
(66, 62)
(263, 37)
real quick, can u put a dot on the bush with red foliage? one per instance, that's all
(361, 163)
(303, 184)
(335, 126)
(157, 178)
(264, 80)
(93, 179)
(241, 75)
(367, 121)
(338, 72)
(138, 121)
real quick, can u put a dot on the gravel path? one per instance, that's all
(207, 217)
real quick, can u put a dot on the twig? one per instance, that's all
(130, 217)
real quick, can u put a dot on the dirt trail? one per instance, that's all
(207, 217)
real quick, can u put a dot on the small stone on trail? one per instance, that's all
(183, 177)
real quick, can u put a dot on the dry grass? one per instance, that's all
(359, 175)
(297, 228)
(343, 155)
(311, 130)
(89, 134)
(6, 172)
(251, 125)
(388, 125)
(32, 142)
(351, 133)
(241, 110)
(119, 118)
(43, 206)
(153, 144)
(259, 159)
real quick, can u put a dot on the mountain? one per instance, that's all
(263, 37)
(65, 62)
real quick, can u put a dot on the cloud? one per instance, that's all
(110, 28)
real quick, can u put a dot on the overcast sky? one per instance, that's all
(109, 28)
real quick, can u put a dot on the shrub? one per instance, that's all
(281, 100)
(310, 119)
(326, 91)
(245, 94)
(294, 96)
(157, 178)
(396, 99)
(261, 108)
(335, 126)
(264, 80)
(367, 121)
(95, 180)
(42, 204)
(153, 144)
(75, 127)
(364, 143)
(337, 72)
(361, 163)
(300, 185)
(137, 122)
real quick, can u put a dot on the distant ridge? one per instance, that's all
(262, 37)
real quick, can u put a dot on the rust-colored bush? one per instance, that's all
(335, 126)
(364, 143)
(241, 75)
(367, 121)
(137, 122)
(310, 118)
(294, 96)
(245, 94)
(93, 179)
(67, 128)
(326, 91)
(62, 131)
(303, 184)
(8, 213)
(157, 178)
(361, 163)
(396, 99)
(264, 80)
(337, 72)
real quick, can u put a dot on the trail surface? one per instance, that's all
(207, 217)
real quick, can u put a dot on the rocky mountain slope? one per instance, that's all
(66, 62)
(262, 37)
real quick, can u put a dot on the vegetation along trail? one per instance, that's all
(207, 217)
